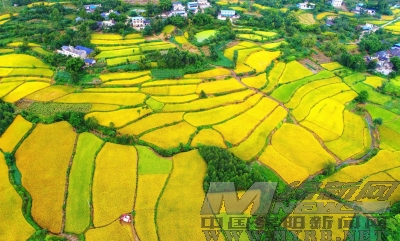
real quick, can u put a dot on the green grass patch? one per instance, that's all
(203, 35)
(154, 104)
(41, 51)
(374, 96)
(168, 29)
(49, 109)
(354, 78)
(379, 112)
(152, 163)
(285, 92)
(269, 175)
(80, 182)
(167, 73)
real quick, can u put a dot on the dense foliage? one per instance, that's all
(6, 116)
(223, 166)
(176, 58)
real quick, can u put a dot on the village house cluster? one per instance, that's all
(78, 52)
(382, 58)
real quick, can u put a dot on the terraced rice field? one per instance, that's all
(332, 66)
(294, 71)
(201, 36)
(114, 182)
(306, 18)
(31, 159)
(14, 134)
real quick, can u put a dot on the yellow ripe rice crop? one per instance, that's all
(252, 37)
(80, 183)
(176, 99)
(235, 131)
(108, 90)
(307, 19)
(150, 122)
(287, 170)
(229, 52)
(170, 90)
(332, 66)
(103, 107)
(327, 114)
(14, 133)
(387, 18)
(4, 21)
(325, 14)
(51, 93)
(125, 75)
(395, 173)
(108, 48)
(126, 59)
(315, 96)
(13, 225)
(307, 88)
(106, 36)
(181, 39)
(5, 16)
(17, 44)
(114, 183)
(172, 82)
(261, 60)
(265, 33)
(128, 81)
(242, 69)
(274, 76)
(119, 117)
(113, 231)
(45, 150)
(210, 102)
(3, 51)
(133, 35)
(169, 137)
(127, 99)
(25, 72)
(24, 90)
(6, 88)
(305, 151)
(243, 53)
(13, 79)
(273, 45)
(294, 71)
(257, 139)
(220, 114)
(389, 139)
(257, 81)
(181, 212)
(345, 97)
(324, 134)
(21, 60)
(118, 53)
(351, 141)
(347, 13)
(208, 137)
(157, 47)
(384, 160)
(149, 188)
(117, 42)
(219, 86)
(208, 74)
(374, 81)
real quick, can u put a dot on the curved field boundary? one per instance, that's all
(6, 88)
(294, 71)
(14, 133)
(307, 88)
(286, 91)
(313, 97)
(124, 99)
(23, 90)
(274, 76)
(121, 76)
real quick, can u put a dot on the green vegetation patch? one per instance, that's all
(80, 182)
(373, 96)
(154, 104)
(203, 35)
(49, 109)
(379, 112)
(285, 92)
(152, 163)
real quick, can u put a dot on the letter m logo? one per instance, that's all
(260, 194)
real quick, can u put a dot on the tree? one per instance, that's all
(362, 97)
(377, 121)
(372, 64)
(74, 67)
(92, 123)
(392, 227)
(203, 94)
(396, 62)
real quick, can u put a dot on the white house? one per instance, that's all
(90, 8)
(108, 23)
(306, 5)
(71, 51)
(139, 22)
(178, 6)
(337, 3)
(192, 6)
(203, 3)
(224, 14)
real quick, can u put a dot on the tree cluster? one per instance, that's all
(6, 116)
(223, 166)
(175, 59)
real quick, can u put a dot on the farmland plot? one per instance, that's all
(14, 133)
(119, 117)
(47, 190)
(294, 71)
